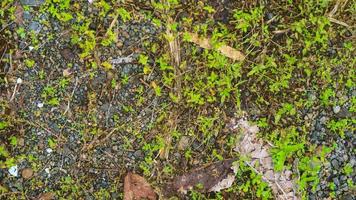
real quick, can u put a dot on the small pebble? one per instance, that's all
(19, 81)
(335, 164)
(336, 109)
(14, 171)
(49, 150)
(47, 170)
(40, 105)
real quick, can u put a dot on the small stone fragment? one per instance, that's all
(14, 171)
(19, 81)
(336, 109)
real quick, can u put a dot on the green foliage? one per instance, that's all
(3, 125)
(286, 147)
(340, 126)
(251, 182)
(326, 95)
(309, 167)
(21, 32)
(285, 109)
(124, 14)
(246, 20)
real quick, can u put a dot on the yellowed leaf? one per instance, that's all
(225, 50)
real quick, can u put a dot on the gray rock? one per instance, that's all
(336, 109)
(32, 2)
(35, 26)
(323, 120)
(27, 15)
(336, 181)
(335, 164)
(138, 154)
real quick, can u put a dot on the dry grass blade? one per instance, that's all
(19, 13)
(174, 49)
(338, 22)
(225, 50)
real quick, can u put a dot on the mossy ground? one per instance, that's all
(159, 116)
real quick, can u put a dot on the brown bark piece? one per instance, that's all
(213, 177)
(136, 188)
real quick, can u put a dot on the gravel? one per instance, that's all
(32, 2)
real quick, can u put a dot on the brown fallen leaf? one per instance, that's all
(46, 196)
(213, 177)
(136, 188)
(27, 173)
(225, 50)
(18, 13)
(260, 161)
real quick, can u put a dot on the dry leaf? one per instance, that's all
(249, 145)
(136, 188)
(213, 177)
(46, 196)
(224, 49)
(18, 13)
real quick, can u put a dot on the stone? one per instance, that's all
(35, 26)
(32, 2)
(27, 173)
(27, 15)
(14, 171)
(336, 109)
(336, 181)
(335, 164)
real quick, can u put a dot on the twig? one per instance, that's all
(113, 22)
(71, 96)
(15, 89)
(96, 140)
(334, 10)
(281, 31)
(339, 22)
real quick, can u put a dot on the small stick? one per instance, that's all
(71, 96)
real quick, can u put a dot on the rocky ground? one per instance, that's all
(91, 90)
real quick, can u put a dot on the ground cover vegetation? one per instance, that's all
(90, 90)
